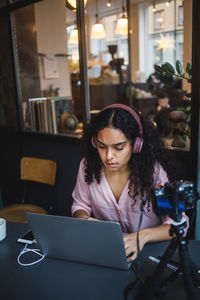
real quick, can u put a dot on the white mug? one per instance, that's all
(2, 229)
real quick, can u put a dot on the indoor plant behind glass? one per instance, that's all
(167, 69)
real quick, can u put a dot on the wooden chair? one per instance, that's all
(32, 169)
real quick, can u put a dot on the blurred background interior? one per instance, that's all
(116, 43)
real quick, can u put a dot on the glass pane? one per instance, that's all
(27, 56)
(167, 103)
(107, 53)
(49, 57)
(8, 97)
(41, 35)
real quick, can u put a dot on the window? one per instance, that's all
(159, 20)
(164, 39)
(180, 15)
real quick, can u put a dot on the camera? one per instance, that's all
(174, 198)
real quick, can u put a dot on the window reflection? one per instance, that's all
(152, 41)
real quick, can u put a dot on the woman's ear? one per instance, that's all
(94, 141)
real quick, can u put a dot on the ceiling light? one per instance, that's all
(167, 3)
(122, 23)
(109, 3)
(71, 4)
(122, 26)
(98, 31)
(73, 37)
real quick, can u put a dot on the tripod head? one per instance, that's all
(177, 229)
(174, 198)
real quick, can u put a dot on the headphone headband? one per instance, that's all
(139, 139)
(131, 111)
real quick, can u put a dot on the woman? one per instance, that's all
(124, 161)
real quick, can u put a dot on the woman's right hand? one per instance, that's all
(92, 219)
(82, 214)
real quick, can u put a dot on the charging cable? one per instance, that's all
(28, 250)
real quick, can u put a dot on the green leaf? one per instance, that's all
(158, 68)
(180, 109)
(189, 80)
(168, 68)
(188, 108)
(189, 95)
(179, 67)
(189, 69)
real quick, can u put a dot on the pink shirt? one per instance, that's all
(98, 199)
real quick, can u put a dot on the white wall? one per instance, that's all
(50, 18)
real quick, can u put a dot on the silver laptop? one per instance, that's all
(83, 241)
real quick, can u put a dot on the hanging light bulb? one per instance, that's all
(98, 31)
(154, 7)
(71, 4)
(73, 38)
(122, 23)
(167, 3)
(109, 3)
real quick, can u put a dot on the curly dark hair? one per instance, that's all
(142, 164)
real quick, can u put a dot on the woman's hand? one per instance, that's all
(147, 235)
(82, 214)
(130, 242)
(92, 219)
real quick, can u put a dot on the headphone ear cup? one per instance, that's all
(94, 142)
(137, 145)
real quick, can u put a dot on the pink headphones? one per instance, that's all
(139, 139)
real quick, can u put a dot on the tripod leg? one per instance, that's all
(187, 271)
(195, 273)
(152, 284)
(167, 283)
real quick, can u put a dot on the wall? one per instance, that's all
(50, 18)
(134, 41)
(169, 12)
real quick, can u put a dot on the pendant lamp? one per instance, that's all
(154, 7)
(109, 3)
(71, 4)
(73, 38)
(98, 31)
(122, 23)
(168, 3)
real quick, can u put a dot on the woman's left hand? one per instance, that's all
(130, 242)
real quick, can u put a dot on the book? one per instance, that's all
(45, 113)
(34, 111)
(59, 106)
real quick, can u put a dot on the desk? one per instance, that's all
(53, 279)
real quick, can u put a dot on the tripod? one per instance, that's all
(191, 275)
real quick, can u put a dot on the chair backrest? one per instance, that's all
(39, 170)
